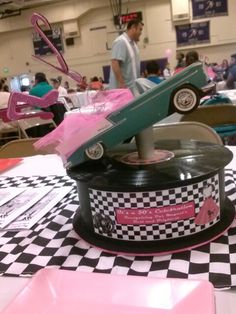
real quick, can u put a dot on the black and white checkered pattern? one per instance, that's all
(106, 204)
(52, 242)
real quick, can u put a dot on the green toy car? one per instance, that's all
(180, 93)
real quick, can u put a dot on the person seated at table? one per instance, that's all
(5, 87)
(167, 71)
(95, 84)
(153, 72)
(4, 96)
(180, 60)
(221, 70)
(41, 86)
(225, 68)
(83, 85)
(231, 79)
(66, 85)
(56, 83)
(191, 57)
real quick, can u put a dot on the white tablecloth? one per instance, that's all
(38, 165)
(81, 99)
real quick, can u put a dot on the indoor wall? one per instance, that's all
(96, 33)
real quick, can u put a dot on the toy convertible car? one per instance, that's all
(105, 123)
(181, 93)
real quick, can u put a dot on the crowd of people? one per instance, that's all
(223, 74)
(153, 71)
(42, 85)
(125, 63)
(125, 69)
(125, 60)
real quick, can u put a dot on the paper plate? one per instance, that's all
(62, 291)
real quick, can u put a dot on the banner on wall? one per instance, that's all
(209, 8)
(193, 34)
(41, 48)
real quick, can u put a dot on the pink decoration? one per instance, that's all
(111, 293)
(3, 112)
(13, 112)
(211, 74)
(79, 127)
(168, 53)
(208, 212)
(36, 17)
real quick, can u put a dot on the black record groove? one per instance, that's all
(193, 161)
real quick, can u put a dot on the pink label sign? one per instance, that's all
(158, 215)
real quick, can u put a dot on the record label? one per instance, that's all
(156, 215)
(158, 156)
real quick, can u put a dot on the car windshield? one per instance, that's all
(105, 103)
(102, 108)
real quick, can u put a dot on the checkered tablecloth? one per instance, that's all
(52, 242)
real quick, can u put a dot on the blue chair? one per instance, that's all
(217, 99)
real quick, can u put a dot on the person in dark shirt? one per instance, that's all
(191, 57)
(180, 60)
(153, 72)
(231, 78)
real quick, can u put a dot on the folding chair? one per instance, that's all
(20, 148)
(222, 118)
(36, 127)
(9, 131)
(189, 130)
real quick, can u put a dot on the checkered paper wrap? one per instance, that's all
(106, 204)
(52, 242)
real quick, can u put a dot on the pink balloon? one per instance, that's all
(168, 53)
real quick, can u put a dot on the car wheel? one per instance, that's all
(185, 99)
(95, 151)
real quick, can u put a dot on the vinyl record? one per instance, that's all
(192, 160)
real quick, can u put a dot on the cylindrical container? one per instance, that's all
(154, 208)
